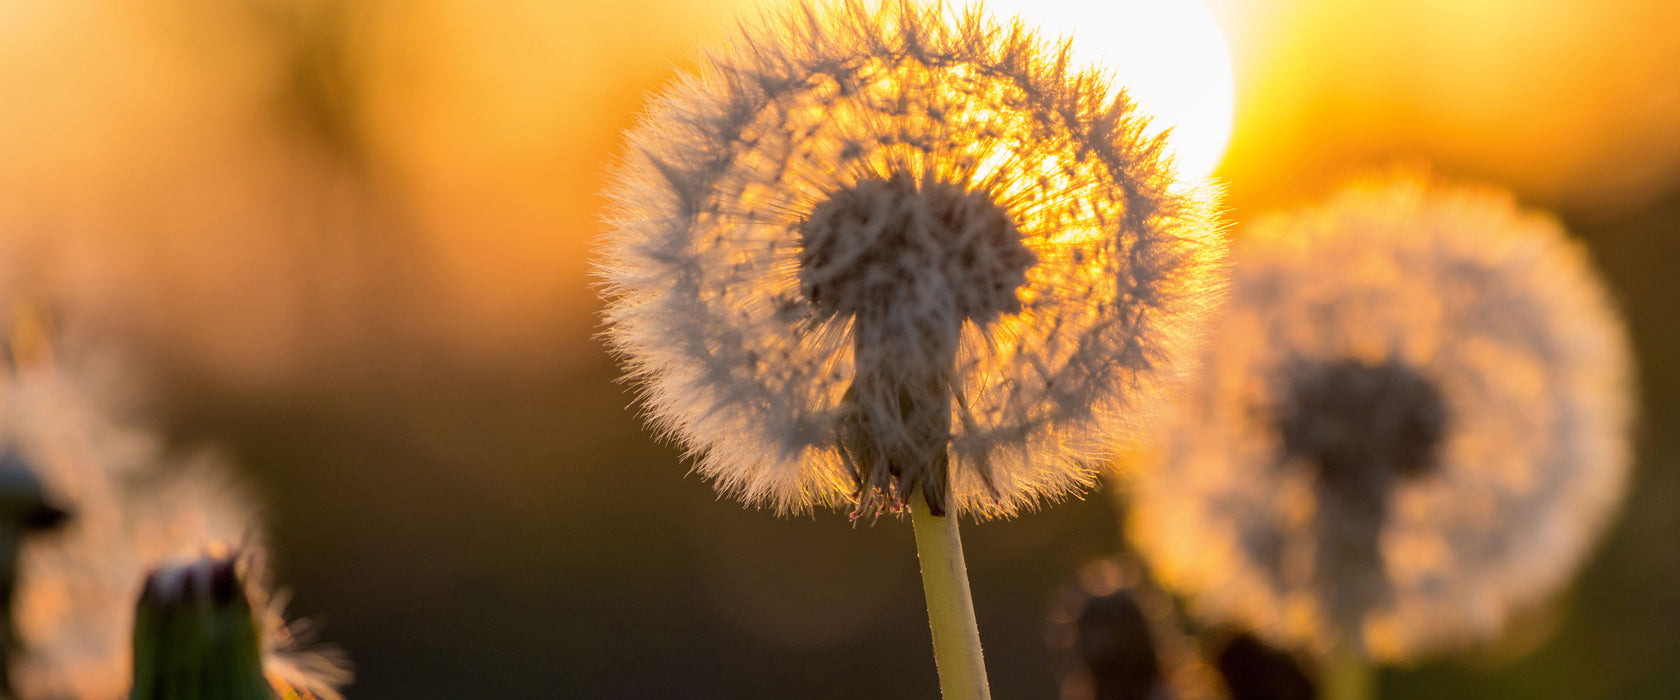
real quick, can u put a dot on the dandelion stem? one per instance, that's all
(1347, 676)
(956, 637)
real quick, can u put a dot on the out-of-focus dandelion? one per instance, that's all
(1412, 420)
(881, 255)
(1115, 635)
(132, 505)
(24, 511)
(1102, 640)
(1113, 645)
(203, 632)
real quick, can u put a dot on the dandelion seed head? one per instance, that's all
(867, 249)
(1412, 420)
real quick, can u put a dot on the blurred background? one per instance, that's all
(348, 241)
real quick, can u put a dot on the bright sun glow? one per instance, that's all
(1169, 54)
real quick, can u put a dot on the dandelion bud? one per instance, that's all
(205, 629)
(196, 636)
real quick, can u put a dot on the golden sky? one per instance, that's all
(253, 181)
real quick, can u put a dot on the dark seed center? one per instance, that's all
(901, 246)
(1362, 425)
(908, 261)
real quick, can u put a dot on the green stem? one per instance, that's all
(956, 637)
(1348, 676)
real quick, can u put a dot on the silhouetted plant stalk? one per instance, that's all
(1347, 675)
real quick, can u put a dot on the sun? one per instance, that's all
(1169, 54)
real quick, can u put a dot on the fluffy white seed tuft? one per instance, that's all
(866, 250)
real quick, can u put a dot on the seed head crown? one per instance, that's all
(898, 247)
(871, 250)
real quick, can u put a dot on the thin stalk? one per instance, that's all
(1348, 676)
(956, 637)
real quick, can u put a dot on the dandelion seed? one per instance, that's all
(1412, 420)
(869, 252)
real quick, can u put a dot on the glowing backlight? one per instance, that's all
(1169, 55)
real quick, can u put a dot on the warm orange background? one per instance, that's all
(350, 239)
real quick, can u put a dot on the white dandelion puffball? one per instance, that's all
(869, 251)
(1412, 420)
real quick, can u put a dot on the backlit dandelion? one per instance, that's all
(864, 251)
(882, 256)
(1412, 420)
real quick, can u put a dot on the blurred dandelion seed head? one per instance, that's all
(866, 249)
(1412, 420)
(133, 504)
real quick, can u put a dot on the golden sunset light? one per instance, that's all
(1169, 54)
(657, 348)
